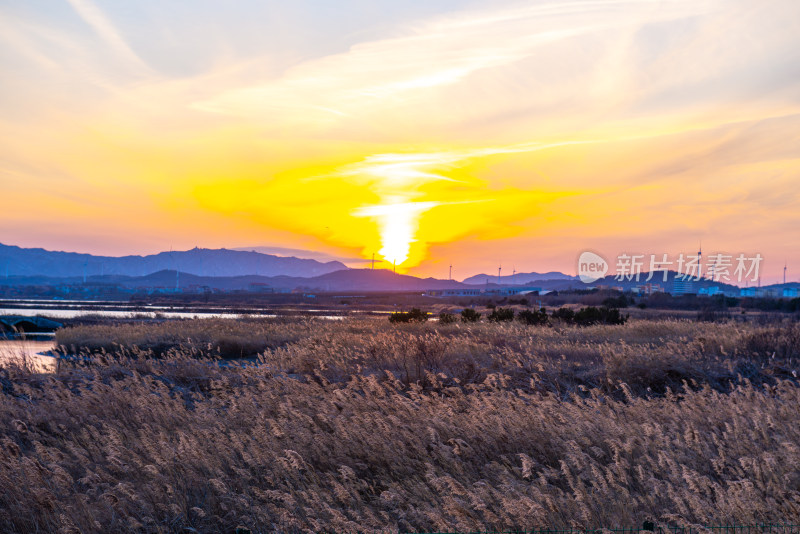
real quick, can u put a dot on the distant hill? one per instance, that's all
(344, 280)
(517, 279)
(347, 280)
(16, 261)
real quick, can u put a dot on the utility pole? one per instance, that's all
(784, 273)
(450, 277)
(499, 270)
(373, 261)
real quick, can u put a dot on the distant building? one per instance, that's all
(710, 291)
(509, 291)
(682, 286)
(791, 292)
(759, 292)
(647, 289)
(453, 292)
(260, 287)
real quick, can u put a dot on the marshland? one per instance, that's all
(305, 424)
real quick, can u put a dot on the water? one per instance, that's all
(33, 350)
(69, 309)
(28, 353)
(70, 313)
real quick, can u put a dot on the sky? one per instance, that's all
(471, 134)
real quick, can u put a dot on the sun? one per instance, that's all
(398, 223)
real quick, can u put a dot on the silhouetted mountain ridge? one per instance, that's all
(17, 261)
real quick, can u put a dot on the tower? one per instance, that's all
(177, 272)
(784, 273)
(499, 270)
(450, 276)
(699, 261)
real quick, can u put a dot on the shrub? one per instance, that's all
(603, 315)
(616, 302)
(538, 317)
(501, 315)
(469, 315)
(447, 318)
(564, 314)
(414, 316)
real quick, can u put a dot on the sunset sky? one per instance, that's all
(428, 133)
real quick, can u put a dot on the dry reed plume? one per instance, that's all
(361, 425)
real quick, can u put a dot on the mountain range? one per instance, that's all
(226, 269)
(16, 261)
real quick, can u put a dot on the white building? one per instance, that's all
(458, 292)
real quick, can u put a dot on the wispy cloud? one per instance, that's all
(109, 33)
(388, 73)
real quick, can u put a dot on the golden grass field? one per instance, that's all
(364, 425)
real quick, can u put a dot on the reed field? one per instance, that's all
(301, 425)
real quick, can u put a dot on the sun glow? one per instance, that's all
(464, 135)
(398, 227)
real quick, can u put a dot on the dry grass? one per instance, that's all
(483, 427)
(224, 337)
